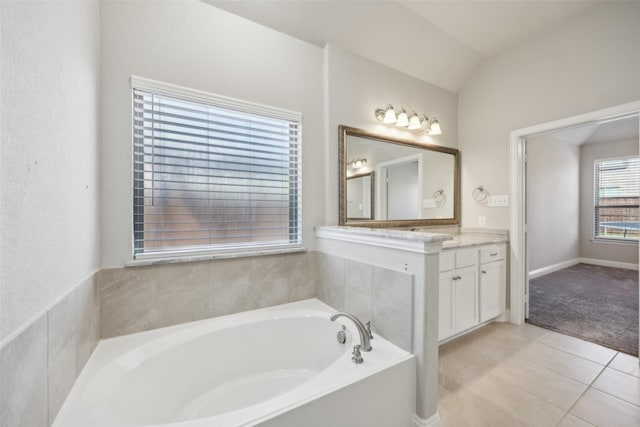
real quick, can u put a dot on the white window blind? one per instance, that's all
(211, 174)
(616, 195)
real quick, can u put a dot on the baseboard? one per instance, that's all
(432, 421)
(555, 267)
(607, 263)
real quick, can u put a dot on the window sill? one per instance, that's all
(614, 241)
(211, 256)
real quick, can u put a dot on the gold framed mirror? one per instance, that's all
(394, 182)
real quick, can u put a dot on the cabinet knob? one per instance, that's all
(493, 254)
(484, 271)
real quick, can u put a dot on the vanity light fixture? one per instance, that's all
(390, 116)
(435, 127)
(357, 163)
(411, 121)
(403, 119)
(414, 121)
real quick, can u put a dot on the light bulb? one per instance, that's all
(379, 113)
(403, 119)
(435, 127)
(426, 123)
(390, 115)
(358, 164)
(414, 121)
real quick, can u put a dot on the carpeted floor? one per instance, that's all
(597, 304)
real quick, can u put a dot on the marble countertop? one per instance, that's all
(475, 237)
(463, 238)
(390, 233)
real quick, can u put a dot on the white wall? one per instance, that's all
(589, 63)
(355, 87)
(49, 183)
(619, 252)
(193, 44)
(553, 202)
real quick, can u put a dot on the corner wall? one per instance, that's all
(50, 211)
(589, 63)
(553, 202)
(49, 155)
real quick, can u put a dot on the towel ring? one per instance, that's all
(439, 197)
(480, 194)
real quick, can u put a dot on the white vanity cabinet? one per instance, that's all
(472, 287)
(492, 282)
(458, 292)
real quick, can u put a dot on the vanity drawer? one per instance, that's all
(452, 259)
(447, 260)
(492, 253)
(466, 258)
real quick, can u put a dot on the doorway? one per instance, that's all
(582, 194)
(400, 188)
(518, 224)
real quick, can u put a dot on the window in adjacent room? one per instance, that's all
(616, 195)
(212, 174)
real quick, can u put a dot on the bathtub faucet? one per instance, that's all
(363, 331)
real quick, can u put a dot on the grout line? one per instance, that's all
(589, 387)
(577, 355)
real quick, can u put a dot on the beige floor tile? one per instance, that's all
(626, 363)
(528, 409)
(455, 373)
(572, 421)
(564, 363)
(465, 409)
(443, 393)
(620, 385)
(526, 331)
(602, 410)
(543, 383)
(492, 348)
(588, 350)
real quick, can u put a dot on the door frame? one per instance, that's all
(381, 182)
(517, 226)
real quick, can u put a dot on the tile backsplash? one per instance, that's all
(370, 293)
(136, 299)
(39, 366)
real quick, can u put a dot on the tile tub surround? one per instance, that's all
(40, 365)
(369, 292)
(135, 299)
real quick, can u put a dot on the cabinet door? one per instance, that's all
(445, 306)
(465, 298)
(492, 290)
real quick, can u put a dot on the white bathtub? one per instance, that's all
(280, 366)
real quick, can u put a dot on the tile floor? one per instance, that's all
(507, 375)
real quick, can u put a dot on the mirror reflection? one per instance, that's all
(360, 195)
(388, 180)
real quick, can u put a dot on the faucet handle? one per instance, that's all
(356, 355)
(369, 330)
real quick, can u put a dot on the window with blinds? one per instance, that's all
(616, 196)
(212, 173)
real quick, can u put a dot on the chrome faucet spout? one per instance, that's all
(365, 342)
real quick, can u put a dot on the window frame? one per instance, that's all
(596, 195)
(220, 101)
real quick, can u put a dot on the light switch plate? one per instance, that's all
(498, 201)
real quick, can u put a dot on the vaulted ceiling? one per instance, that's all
(441, 42)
